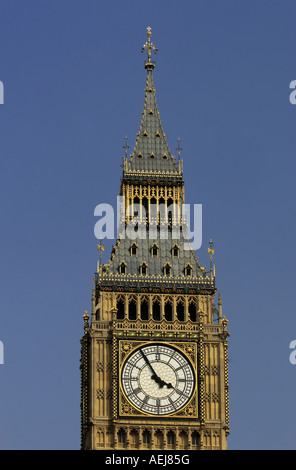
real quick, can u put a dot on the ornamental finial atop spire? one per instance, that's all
(150, 47)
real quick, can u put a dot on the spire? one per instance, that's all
(151, 153)
(152, 174)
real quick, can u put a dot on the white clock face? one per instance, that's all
(157, 379)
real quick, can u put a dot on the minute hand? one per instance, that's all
(148, 363)
(155, 377)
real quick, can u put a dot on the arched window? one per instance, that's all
(158, 439)
(156, 310)
(153, 210)
(132, 310)
(134, 249)
(122, 268)
(144, 209)
(134, 438)
(162, 210)
(180, 311)
(168, 311)
(195, 438)
(136, 207)
(170, 204)
(120, 309)
(167, 270)
(154, 250)
(121, 436)
(146, 437)
(143, 269)
(144, 309)
(188, 270)
(175, 251)
(183, 440)
(192, 311)
(171, 438)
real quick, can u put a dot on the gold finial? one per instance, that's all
(179, 153)
(224, 322)
(100, 248)
(211, 251)
(150, 47)
(86, 318)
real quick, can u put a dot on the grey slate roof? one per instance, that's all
(155, 264)
(151, 152)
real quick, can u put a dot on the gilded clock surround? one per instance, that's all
(189, 350)
(132, 306)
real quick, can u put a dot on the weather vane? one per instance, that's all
(179, 148)
(149, 45)
(125, 146)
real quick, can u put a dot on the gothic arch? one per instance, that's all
(180, 310)
(168, 310)
(156, 309)
(132, 308)
(144, 308)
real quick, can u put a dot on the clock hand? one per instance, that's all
(169, 385)
(155, 377)
(162, 383)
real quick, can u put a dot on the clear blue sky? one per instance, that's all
(74, 83)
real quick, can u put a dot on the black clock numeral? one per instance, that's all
(145, 399)
(171, 402)
(171, 356)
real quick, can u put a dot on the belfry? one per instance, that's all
(154, 352)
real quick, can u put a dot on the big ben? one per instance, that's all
(154, 352)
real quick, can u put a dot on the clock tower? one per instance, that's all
(154, 353)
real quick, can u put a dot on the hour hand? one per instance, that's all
(162, 383)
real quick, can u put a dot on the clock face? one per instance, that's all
(157, 379)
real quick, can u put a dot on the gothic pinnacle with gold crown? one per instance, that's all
(149, 46)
